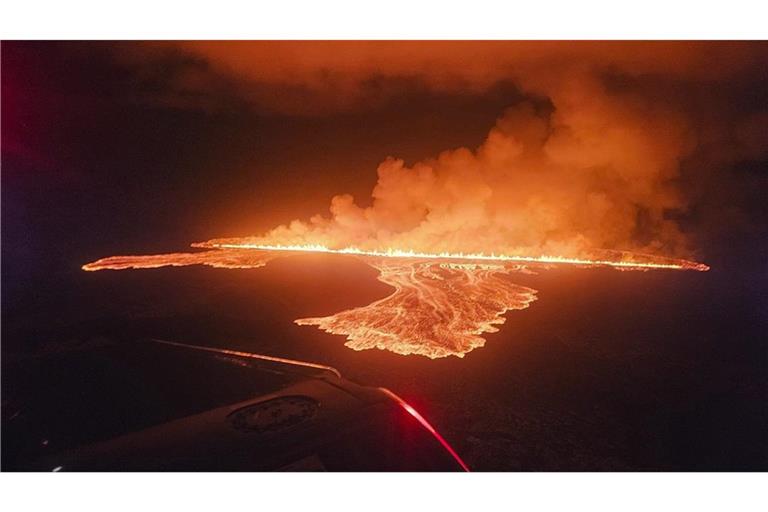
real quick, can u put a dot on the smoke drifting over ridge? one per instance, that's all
(590, 160)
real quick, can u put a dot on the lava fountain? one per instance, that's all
(441, 305)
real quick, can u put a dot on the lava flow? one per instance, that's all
(436, 310)
(441, 305)
(227, 258)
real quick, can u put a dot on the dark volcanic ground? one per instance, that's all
(607, 370)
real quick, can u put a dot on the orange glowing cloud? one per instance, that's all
(313, 76)
(584, 163)
(594, 173)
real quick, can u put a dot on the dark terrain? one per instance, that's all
(608, 370)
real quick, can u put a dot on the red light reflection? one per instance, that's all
(424, 423)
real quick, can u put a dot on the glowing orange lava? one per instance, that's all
(227, 258)
(620, 259)
(436, 310)
(441, 305)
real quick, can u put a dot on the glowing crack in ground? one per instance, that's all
(441, 304)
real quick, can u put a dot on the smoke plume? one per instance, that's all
(589, 171)
(590, 159)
